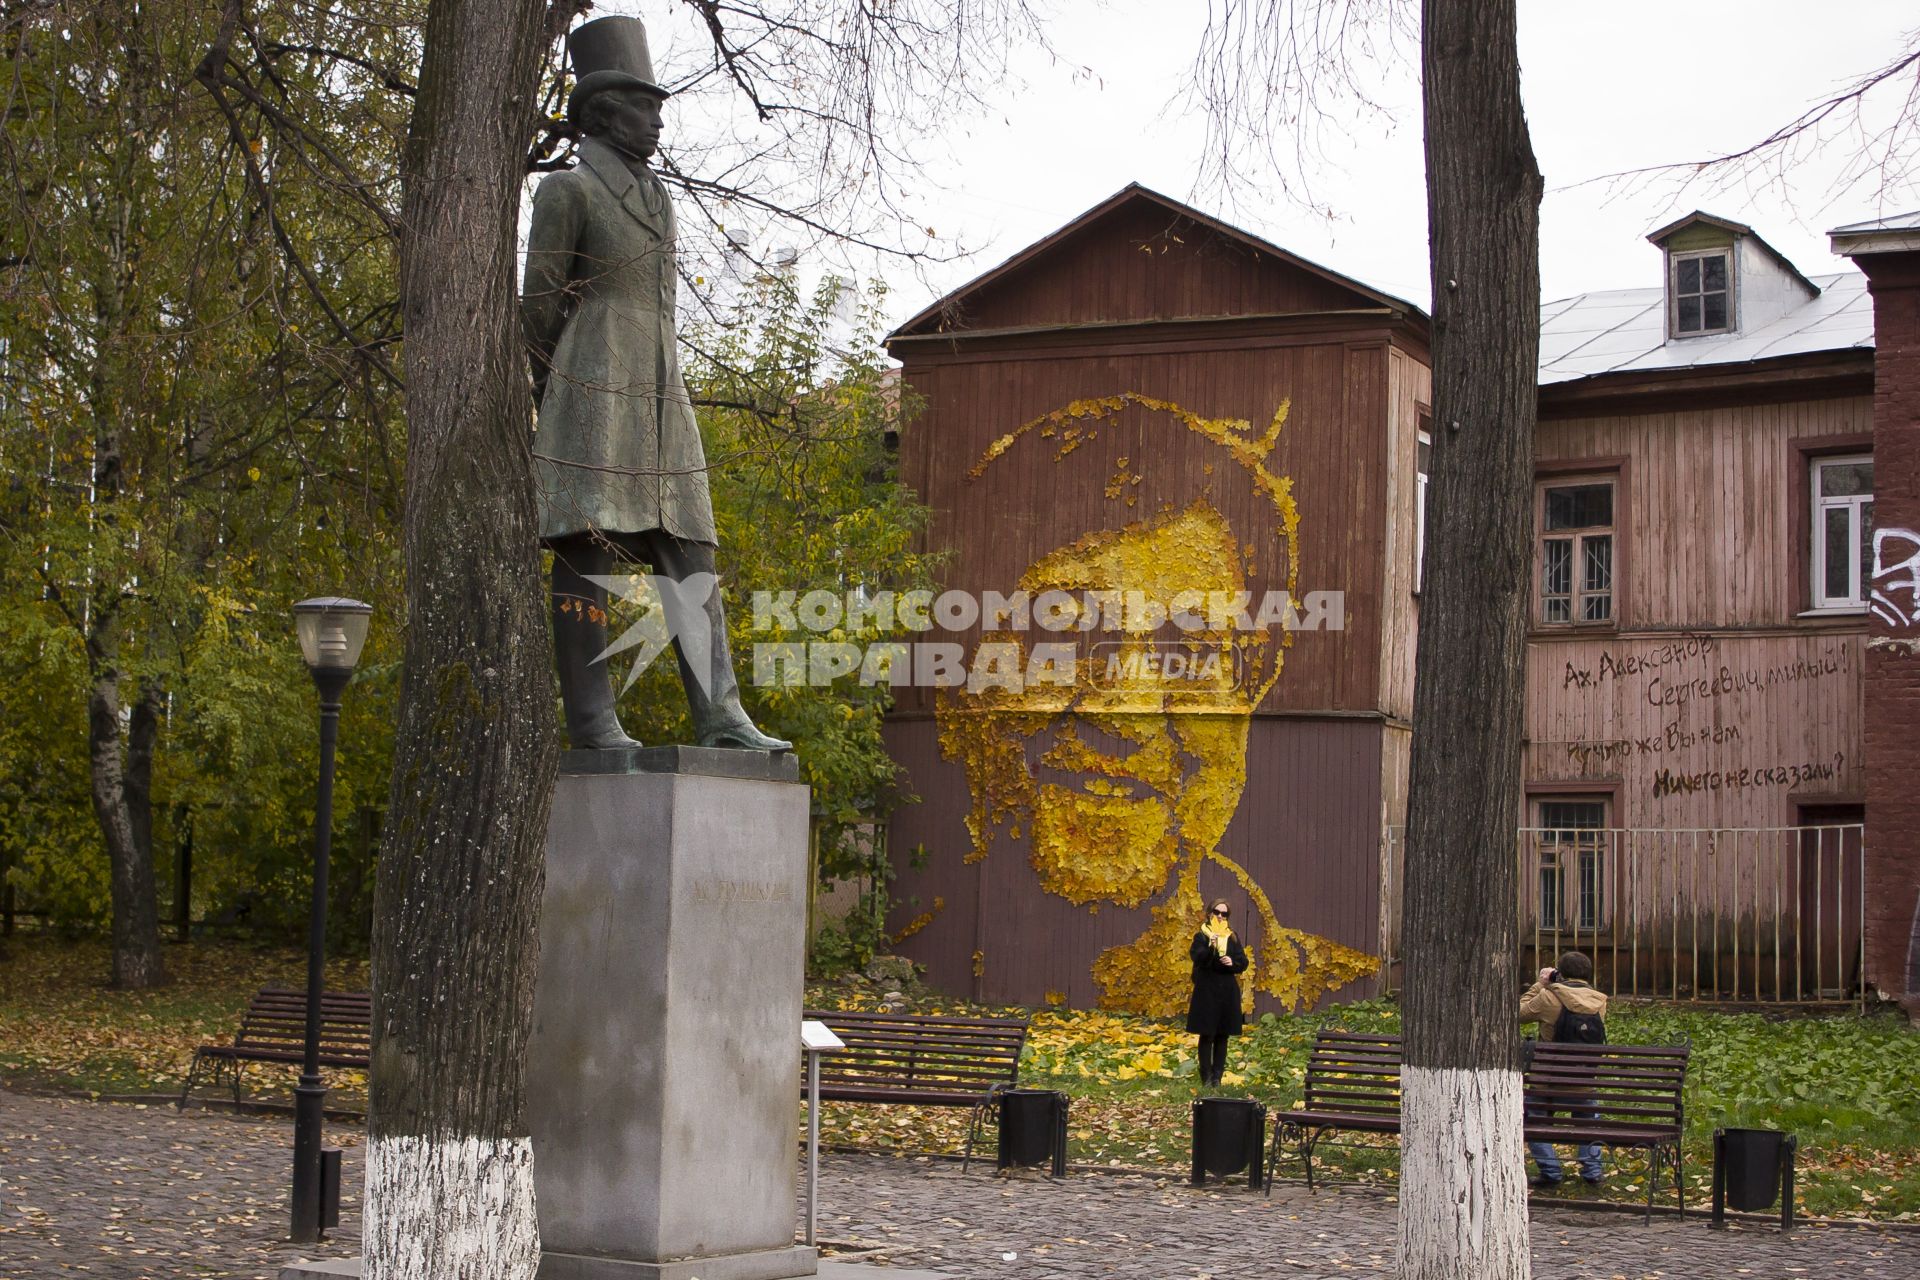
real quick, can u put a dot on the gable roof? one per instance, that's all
(1625, 330)
(1740, 230)
(1659, 235)
(928, 320)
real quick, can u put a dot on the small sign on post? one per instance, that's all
(816, 1038)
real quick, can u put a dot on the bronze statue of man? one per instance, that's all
(620, 469)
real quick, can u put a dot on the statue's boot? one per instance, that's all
(579, 637)
(718, 718)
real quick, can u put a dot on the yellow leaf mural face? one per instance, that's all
(1124, 787)
(1137, 835)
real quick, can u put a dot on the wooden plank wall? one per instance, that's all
(1710, 686)
(1303, 829)
(1409, 387)
(1712, 523)
(1306, 823)
(1143, 261)
(1025, 505)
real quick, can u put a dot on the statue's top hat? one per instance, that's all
(609, 53)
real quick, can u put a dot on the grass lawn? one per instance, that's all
(62, 1027)
(1849, 1087)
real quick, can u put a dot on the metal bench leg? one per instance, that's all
(979, 1118)
(1307, 1143)
(193, 1073)
(1679, 1177)
(1654, 1162)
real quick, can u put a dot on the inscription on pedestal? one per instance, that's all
(710, 889)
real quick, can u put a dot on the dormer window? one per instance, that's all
(1702, 292)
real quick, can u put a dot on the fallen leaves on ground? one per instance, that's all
(62, 1026)
(1848, 1086)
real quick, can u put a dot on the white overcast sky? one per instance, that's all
(1609, 86)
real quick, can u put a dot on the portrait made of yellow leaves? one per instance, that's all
(1123, 786)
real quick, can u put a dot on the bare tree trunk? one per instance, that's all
(1463, 1209)
(449, 1164)
(143, 735)
(136, 925)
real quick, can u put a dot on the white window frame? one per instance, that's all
(1673, 291)
(1421, 477)
(1856, 598)
(1576, 606)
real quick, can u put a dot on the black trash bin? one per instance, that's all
(1751, 1169)
(1033, 1129)
(1229, 1134)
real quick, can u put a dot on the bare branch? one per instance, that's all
(1880, 155)
(1271, 75)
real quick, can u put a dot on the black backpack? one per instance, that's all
(1579, 1028)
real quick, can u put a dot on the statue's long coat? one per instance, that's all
(617, 448)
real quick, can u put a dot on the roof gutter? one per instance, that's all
(1811, 376)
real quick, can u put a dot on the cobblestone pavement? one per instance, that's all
(147, 1193)
(131, 1192)
(1140, 1228)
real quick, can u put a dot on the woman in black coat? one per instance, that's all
(1214, 1014)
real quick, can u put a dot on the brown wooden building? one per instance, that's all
(1151, 400)
(1704, 502)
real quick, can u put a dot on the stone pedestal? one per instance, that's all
(664, 1066)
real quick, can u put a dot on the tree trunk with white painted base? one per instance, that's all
(449, 1166)
(1463, 1210)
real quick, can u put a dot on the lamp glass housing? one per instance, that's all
(333, 630)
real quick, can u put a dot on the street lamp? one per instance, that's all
(332, 632)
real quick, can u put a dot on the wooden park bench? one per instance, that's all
(1624, 1095)
(922, 1060)
(1352, 1085)
(274, 1029)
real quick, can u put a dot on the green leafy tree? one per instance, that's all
(189, 425)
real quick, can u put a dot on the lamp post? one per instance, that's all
(332, 631)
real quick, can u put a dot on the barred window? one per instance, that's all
(1576, 553)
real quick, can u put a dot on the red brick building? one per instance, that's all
(1888, 251)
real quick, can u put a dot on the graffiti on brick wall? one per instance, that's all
(1894, 596)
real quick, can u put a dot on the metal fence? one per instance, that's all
(1751, 915)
